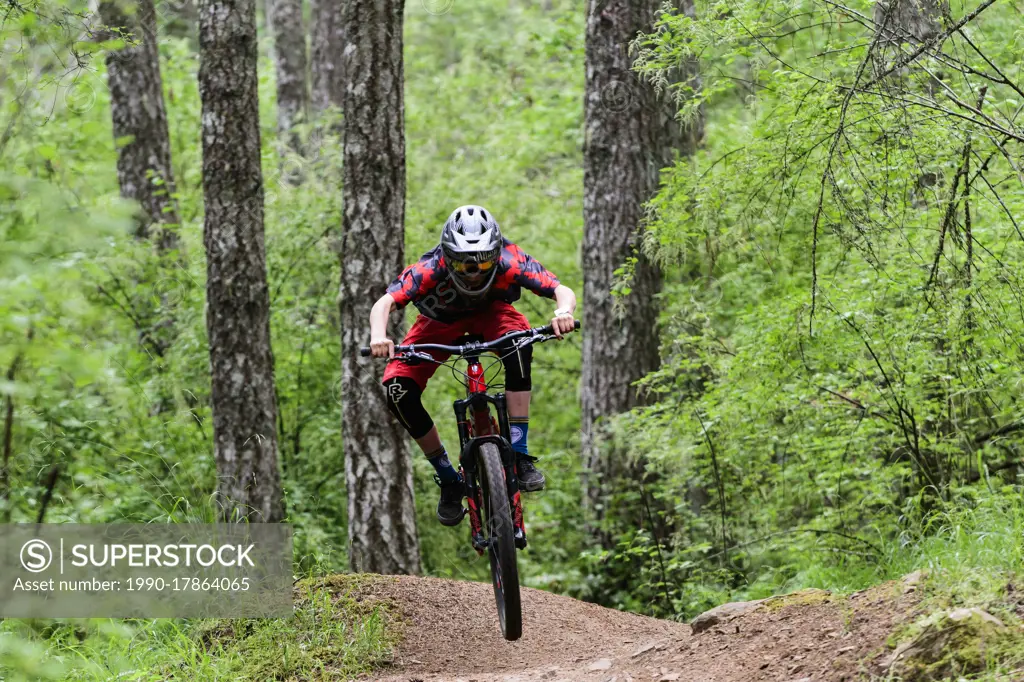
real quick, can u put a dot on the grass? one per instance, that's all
(336, 633)
(972, 556)
(972, 547)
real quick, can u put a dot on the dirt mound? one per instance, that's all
(451, 633)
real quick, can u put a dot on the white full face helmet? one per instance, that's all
(471, 242)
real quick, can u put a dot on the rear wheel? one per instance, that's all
(497, 520)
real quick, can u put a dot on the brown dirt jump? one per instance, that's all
(450, 632)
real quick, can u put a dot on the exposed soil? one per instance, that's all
(451, 633)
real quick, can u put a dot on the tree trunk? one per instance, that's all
(285, 21)
(326, 53)
(378, 466)
(237, 299)
(139, 119)
(177, 18)
(630, 135)
(909, 20)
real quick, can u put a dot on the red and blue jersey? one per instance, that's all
(426, 284)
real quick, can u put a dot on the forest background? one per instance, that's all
(837, 397)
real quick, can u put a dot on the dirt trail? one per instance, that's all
(451, 633)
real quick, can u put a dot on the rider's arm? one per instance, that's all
(416, 281)
(565, 300)
(528, 272)
(380, 344)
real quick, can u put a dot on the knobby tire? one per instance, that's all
(497, 517)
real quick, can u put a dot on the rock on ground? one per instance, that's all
(948, 644)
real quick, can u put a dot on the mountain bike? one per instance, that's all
(486, 459)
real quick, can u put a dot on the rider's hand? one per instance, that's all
(563, 323)
(382, 348)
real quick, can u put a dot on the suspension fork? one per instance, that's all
(508, 460)
(470, 472)
(483, 424)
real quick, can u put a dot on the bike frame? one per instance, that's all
(473, 433)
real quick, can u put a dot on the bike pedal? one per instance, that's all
(520, 539)
(453, 523)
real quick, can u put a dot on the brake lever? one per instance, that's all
(525, 341)
(539, 338)
(413, 357)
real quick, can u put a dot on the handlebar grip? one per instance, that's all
(365, 351)
(548, 330)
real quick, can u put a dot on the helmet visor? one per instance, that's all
(473, 278)
(472, 267)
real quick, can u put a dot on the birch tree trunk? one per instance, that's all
(139, 119)
(378, 466)
(237, 299)
(631, 135)
(285, 20)
(903, 19)
(326, 54)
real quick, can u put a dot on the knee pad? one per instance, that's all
(517, 370)
(405, 400)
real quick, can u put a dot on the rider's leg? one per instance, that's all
(518, 403)
(404, 385)
(430, 442)
(518, 387)
(405, 402)
(517, 396)
(433, 449)
(409, 410)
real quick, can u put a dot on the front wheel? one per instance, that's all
(498, 528)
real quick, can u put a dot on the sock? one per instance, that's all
(443, 466)
(520, 428)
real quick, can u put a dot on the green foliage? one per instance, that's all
(837, 327)
(24, 660)
(335, 633)
(970, 557)
(839, 400)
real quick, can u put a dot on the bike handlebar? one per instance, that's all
(366, 351)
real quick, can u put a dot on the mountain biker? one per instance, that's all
(466, 285)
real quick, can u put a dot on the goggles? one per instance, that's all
(468, 268)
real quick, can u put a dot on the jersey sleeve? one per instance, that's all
(416, 281)
(527, 272)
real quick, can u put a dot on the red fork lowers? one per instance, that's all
(517, 513)
(480, 427)
(475, 527)
(485, 424)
